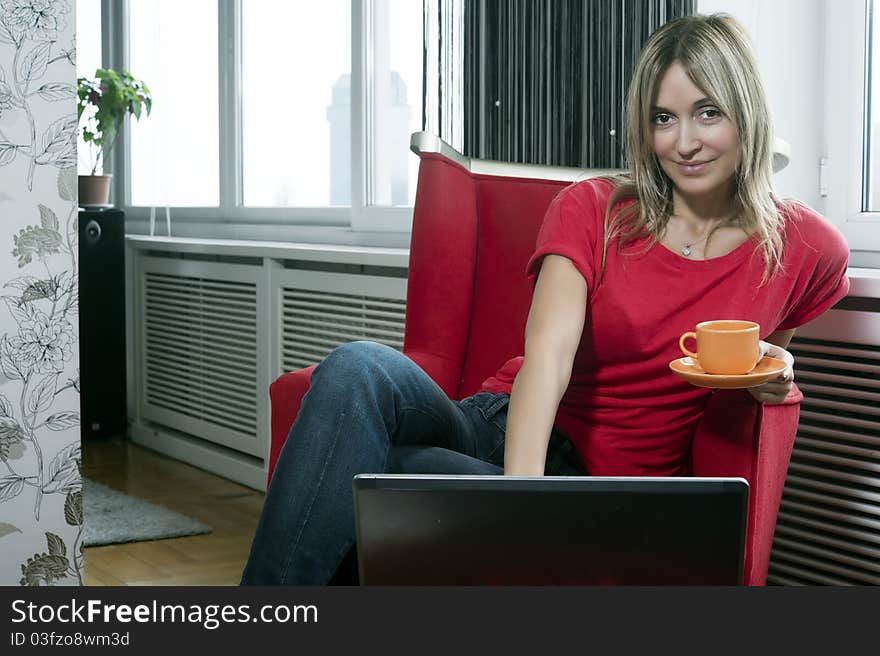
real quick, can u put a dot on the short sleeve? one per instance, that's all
(572, 227)
(822, 280)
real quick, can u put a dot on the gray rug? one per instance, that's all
(112, 517)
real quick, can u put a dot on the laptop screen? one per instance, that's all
(496, 530)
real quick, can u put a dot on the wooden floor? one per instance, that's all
(230, 509)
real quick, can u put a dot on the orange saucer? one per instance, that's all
(765, 370)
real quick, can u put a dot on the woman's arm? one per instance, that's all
(781, 338)
(775, 391)
(553, 332)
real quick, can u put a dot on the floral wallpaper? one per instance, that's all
(41, 512)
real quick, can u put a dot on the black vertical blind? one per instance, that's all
(545, 80)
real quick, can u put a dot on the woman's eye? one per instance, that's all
(662, 119)
(710, 113)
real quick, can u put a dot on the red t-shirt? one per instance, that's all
(625, 411)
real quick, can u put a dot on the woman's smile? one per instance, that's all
(694, 168)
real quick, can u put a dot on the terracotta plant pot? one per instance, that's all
(94, 190)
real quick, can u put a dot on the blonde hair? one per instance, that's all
(717, 56)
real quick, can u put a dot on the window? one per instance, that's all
(871, 163)
(396, 106)
(296, 104)
(88, 60)
(850, 174)
(174, 153)
(275, 112)
(871, 178)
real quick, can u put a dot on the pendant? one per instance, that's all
(686, 250)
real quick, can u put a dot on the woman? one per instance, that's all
(622, 267)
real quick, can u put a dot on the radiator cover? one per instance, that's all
(828, 531)
(212, 331)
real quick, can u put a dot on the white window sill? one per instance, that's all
(864, 283)
(314, 252)
(271, 233)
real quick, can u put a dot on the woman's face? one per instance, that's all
(697, 145)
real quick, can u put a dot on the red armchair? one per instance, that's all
(474, 224)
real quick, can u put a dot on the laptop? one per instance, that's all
(502, 530)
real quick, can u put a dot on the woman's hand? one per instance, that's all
(775, 391)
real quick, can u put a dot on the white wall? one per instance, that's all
(40, 487)
(788, 37)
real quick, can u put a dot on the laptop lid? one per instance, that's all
(503, 530)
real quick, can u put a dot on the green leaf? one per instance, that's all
(114, 95)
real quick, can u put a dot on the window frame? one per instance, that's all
(359, 217)
(846, 142)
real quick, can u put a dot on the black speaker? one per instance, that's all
(102, 322)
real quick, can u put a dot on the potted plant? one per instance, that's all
(103, 105)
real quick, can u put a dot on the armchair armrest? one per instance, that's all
(740, 437)
(286, 394)
(440, 284)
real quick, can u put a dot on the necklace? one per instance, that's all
(686, 249)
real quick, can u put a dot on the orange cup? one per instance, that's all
(725, 347)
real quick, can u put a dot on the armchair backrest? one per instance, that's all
(474, 228)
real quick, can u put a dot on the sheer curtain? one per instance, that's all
(445, 79)
(536, 81)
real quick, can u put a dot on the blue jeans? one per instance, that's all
(369, 409)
